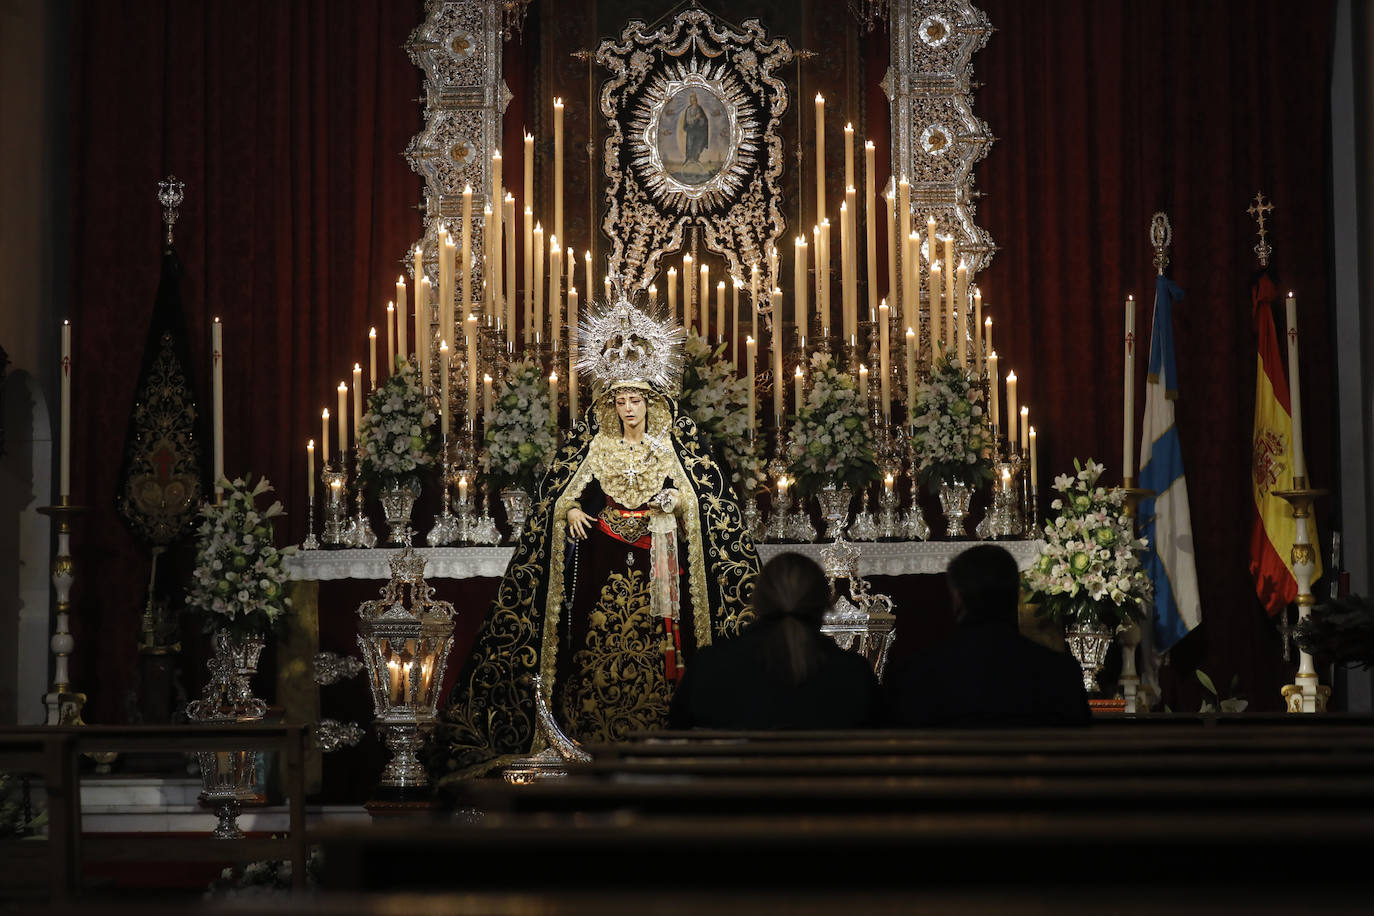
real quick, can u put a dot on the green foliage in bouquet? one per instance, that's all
(1089, 571)
(397, 432)
(520, 431)
(832, 440)
(718, 401)
(953, 435)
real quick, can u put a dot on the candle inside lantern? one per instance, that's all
(888, 483)
(782, 487)
(393, 669)
(463, 488)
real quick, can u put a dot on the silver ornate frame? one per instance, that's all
(458, 46)
(737, 210)
(936, 137)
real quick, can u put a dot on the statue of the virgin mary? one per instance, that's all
(634, 556)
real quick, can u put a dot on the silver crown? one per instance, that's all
(621, 342)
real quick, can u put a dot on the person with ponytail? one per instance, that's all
(781, 672)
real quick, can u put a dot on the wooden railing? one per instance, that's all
(53, 754)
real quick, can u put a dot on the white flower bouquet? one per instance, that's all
(953, 435)
(396, 434)
(238, 581)
(718, 401)
(520, 431)
(832, 441)
(1089, 571)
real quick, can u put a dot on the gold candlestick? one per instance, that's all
(64, 704)
(1306, 695)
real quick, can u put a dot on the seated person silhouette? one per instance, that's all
(986, 673)
(781, 672)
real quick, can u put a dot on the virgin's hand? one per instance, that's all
(672, 499)
(579, 523)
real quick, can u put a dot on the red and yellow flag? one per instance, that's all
(1273, 531)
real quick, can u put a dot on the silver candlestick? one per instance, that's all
(887, 511)
(446, 528)
(310, 542)
(360, 533)
(335, 505)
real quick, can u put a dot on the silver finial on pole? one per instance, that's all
(1161, 237)
(170, 193)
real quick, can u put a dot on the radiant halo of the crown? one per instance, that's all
(623, 342)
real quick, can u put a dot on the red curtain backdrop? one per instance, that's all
(1106, 113)
(287, 121)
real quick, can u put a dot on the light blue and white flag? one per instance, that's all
(1166, 521)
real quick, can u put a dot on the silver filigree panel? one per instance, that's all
(693, 111)
(936, 137)
(458, 46)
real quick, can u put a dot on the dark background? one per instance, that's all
(287, 121)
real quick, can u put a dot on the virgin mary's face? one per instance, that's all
(630, 407)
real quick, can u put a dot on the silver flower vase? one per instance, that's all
(834, 502)
(1089, 642)
(228, 778)
(954, 500)
(398, 502)
(517, 503)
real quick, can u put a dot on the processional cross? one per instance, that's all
(1260, 207)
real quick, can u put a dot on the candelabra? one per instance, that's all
(887, 510)
(335, 502)
(482, 529)
(64, 704)
(360, 533)
(447, 529)
(914, 526)
(1003, 519)
(310, 542)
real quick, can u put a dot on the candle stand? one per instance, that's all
(780, 521)
(310, 542)
(749, 509)
(335, 505)
(864, 527)
(360, 533)
(482, 529)
(887, 514)
(914, 525)
(63, 703)
(405, 637)
(1004, 519)
(1306, 695)
(447, 529)
(1129, 634)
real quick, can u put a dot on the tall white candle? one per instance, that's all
(538, 281)
(1011, 411)
(487, 398)
(871, 228)
(1034, 463)
(498, 211)
(357, 402)
(777, 357)
(390, 338)
(799, 395)
(555, 292)
(510, 287)
(720, 312)
(343, 419)
(911, 300)
(310, 470)
(734, 322)
(937, 274)
(863, 385)
(445, 360)
(820, 159)
(799, 281)
(471, 329)
(574, 321)
(977, 331)
(849, 156)
(64, 488)
(704, 301)
(465, 257)
(372, 358)
(750, 359)
(1295, 392)
(910, 374)
(553, 396)
(1128, 395)
(217, 382)
(957, 324)
(672, 296)
(529, 271)
(324, 437)
(894, 291)
(688, 313)
(987, 327)
(884, 361)
(994, 383)
(1024, 430)
(558, 167)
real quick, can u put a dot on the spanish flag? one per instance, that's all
(1271, 536)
